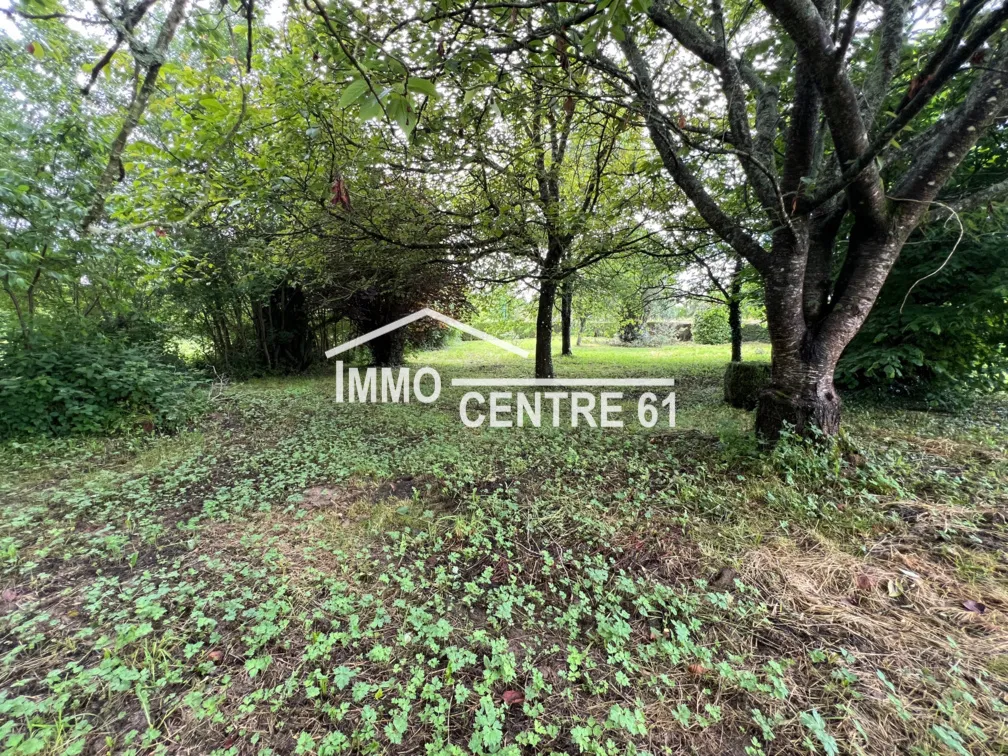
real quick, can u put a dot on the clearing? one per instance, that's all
(299, 576)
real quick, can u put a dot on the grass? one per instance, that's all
(299, 576)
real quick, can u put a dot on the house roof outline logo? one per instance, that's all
(426, 312)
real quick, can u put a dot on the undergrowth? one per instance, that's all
(297, 576)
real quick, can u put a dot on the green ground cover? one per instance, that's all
(293, 575)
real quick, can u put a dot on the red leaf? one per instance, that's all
(9, 595)
(864, 582)
(697, 670)
(513, 697)
(974, 606)
(216, 655)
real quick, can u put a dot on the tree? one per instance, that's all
(552, 171)
(846, 106)
(713, 274)
(53, 150)
(552, 159)
(834, 197)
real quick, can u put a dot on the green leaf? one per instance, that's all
(342, 676)
(813, 721)
(950, 738)
(370, 108)
(213, 105)
(351, 94)
(423, 86)
(257, 665)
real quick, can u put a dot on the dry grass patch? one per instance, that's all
(901, 644)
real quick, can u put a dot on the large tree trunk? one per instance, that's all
(803, 400)
(566, 306)
(806, 348)
(801, 392)
(811, 316)
(544, 328)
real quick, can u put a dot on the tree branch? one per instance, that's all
(709, 208)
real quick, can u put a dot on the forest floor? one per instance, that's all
(293, 575)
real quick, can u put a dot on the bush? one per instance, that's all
(755, 332)
(710, 326)
(76, 381)
(743, 382)
(950, 334)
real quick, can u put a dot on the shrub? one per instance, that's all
(79, 381)
(743, 383)
(710, 326)
(755, 332)
(951, 333)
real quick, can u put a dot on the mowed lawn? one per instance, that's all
(293, 575)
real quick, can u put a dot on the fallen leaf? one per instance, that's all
(501, 572)
(228, 741)
(864, 582)
(9, 595)
(697, 670)
(513, 697)
(974, 606)
(215, 656)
